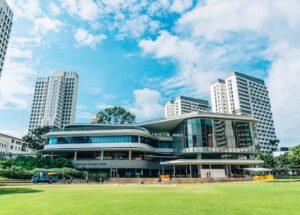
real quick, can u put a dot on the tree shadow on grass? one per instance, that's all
(9, 191)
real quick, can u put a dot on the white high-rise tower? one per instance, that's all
(183, 105)
(54, 100)
(6, 17)
(246, 95)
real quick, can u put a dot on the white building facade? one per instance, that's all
(219, 102)
(54, 100)
(183, 105)
(6, 18)
(12, 145)
(245, 95)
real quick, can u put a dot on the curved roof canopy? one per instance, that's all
(167, 124)
(163, 124)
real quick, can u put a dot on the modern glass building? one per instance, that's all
(198, 144)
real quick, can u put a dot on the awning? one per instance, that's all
(211, 162)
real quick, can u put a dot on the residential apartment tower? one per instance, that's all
(6, 17)
(183, 105)
(54, 100)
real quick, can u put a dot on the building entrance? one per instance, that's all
(113, 173)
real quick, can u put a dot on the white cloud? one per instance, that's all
(54, 9)
(84, 38)
(102, 106)
(96, 90)
(28, 9)
(88, 10)
(283, 84)
(46, 24)
(167, 45)
(14, 133)
(125, 18)
(86, 115)
(16, 85)
(19, 53)
(130, 55)
(218, 18)
(85, 9)
(187, 55)
(181, 5)
(147, 104)
(136, 27)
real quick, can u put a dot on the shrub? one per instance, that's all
(4, 164)
(16, 173)
(98, 176)
(30, 162)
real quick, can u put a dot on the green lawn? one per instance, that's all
(222, 198)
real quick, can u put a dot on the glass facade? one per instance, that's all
(109, 139)
(93, 139)
(207, 135)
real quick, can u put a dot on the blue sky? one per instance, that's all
(139, 54)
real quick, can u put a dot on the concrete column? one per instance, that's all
(174, 171)
(163, 171)
(75, 156)
(102, 152)
(190, 170)
(227, 170)
(139, 139)
(129, 155)
(199, 170)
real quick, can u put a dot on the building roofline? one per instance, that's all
(167, 124)
(172, 122)
(10, 136)
(218, 81)
(202, 101)
(251, 78)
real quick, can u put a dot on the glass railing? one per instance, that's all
(215, 149)
(97, 128)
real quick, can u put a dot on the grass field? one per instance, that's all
(222, 198)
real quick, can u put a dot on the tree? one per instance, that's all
(295, 156)
(35, 137)
(269, 160)
(283, 160)
(114, 115)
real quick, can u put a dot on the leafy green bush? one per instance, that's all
(4, 164)
(30, 162)
(16, 173)
(98, 176)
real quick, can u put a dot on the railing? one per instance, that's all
(216, 149)
(95, 128)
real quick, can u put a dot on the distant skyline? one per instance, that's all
(140, 54)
